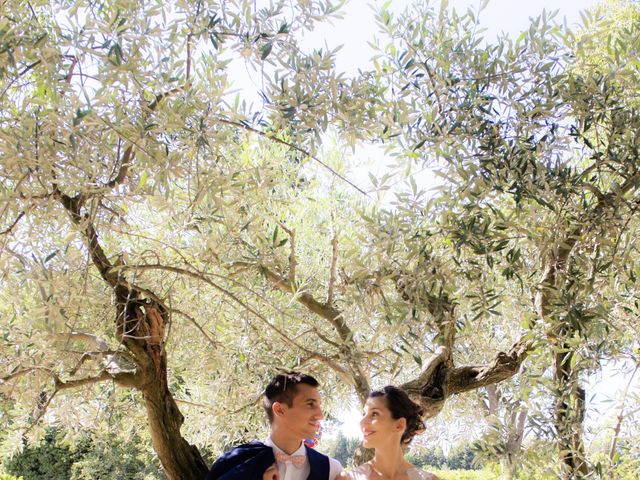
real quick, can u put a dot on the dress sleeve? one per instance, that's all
(360, 473)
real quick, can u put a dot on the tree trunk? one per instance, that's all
(509, 467)
(140, 327)
(569, 417)
(179, 459)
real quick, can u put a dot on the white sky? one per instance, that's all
(500, 16)
(357, 27)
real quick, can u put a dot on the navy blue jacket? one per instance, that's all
(251, 460)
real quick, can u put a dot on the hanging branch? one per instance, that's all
(292, 147)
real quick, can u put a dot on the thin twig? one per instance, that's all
(332, 271)
(189, 37)
(293, 147)
(11, 227)
(197, 325)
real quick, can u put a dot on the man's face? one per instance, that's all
(302, 418)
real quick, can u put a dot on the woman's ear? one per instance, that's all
(401, 424)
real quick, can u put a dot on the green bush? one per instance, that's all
(4, 476)
(50, 459)
(629, 470)
(341, 448)
(108, 459)
(95, 456)
(460, 457)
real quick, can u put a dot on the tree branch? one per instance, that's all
(440, 357)
(503, 366)
(333, 315)
(335, 318)
(20, 372)
(73, 205)
(198, 275)
(69, 75)
(125, 379)
(558, 260)
(437, 381)
(99, 343)
(291, 146)
(80, 382)
(332, 270)
(197, 325)
(292, 253)
(127, 159)
(12, 226)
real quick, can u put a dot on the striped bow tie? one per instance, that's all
(297, 461)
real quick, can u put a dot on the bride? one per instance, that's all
(390, 421)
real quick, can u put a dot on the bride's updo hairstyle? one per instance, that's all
(401, 406)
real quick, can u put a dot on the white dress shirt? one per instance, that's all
(288, 471)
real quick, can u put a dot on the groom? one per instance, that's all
(292, 403)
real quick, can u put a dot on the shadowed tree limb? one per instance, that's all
(438, 381)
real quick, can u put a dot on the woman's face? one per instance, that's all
(377, 424)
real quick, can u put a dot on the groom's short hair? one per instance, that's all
(283, 388)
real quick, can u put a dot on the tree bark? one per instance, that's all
(179, 459)
(569, 417)
(140, 327)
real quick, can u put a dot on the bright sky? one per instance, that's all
(357, 27)
(500, 16)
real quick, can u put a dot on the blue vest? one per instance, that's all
(251, 460)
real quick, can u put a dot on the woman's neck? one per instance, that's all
(389, 461)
